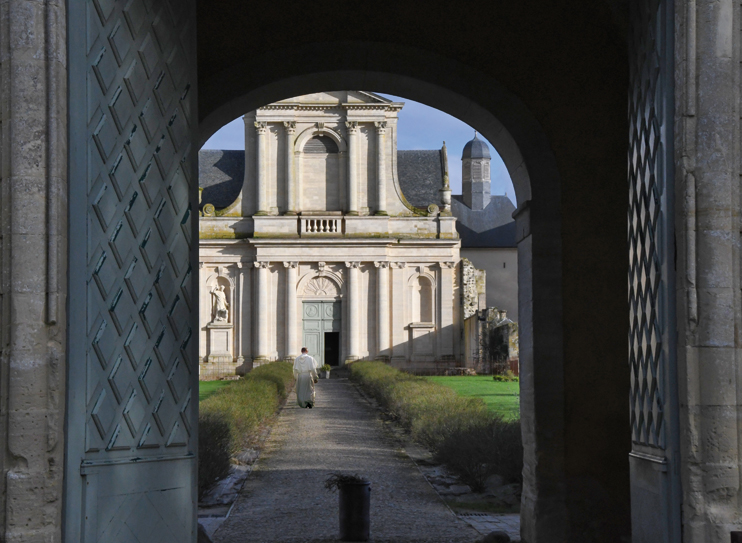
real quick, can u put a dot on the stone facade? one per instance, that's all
(321, 219)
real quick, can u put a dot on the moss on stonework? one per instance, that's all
(223, 235)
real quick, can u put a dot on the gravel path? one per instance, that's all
(284, 498)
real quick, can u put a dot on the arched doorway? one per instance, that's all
(549, 127)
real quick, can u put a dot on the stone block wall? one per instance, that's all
(33, 241)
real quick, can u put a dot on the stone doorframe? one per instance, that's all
(516, 135)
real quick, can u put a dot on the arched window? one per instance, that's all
(320, 166)
(320, 145)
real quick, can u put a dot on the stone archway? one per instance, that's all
(538, 248)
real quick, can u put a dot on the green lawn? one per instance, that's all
(207, 388)
(502, 398)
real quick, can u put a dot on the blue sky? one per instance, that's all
(420, 127)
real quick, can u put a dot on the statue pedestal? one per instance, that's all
(220, 343)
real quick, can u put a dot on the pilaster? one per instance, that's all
(261, 128)
(291, 310)
(399, 322)
(291, 189)
(381, 167)
(354, 308)
(382, 305)
(352, 167)
(261, 310)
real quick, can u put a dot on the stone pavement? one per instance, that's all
(284, 499)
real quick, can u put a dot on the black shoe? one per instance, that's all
(309, 405)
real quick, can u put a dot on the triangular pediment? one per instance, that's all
(337, 97)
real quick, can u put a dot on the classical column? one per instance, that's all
(291, 309)
(382, 306)
(262, 167)
(261, 311)
(352, 167)
(381, 167)
(354, 310)
(291, 188)
(399, 319)
(446, 305)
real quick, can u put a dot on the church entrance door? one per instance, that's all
(320, 325)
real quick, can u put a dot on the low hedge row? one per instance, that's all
(230, 419)
(460, 431)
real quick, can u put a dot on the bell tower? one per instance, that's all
(475, 174)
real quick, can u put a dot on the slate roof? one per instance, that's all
(491, 227)
(220, 174)
(420, 175)
(476, 148)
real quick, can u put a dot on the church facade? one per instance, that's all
(308, 239)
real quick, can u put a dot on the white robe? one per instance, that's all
(305, 373)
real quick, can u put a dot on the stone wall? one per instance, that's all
(707, 157)
(33, 230)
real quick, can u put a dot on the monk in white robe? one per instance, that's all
(305, 373)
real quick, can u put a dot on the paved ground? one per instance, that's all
(284, 499)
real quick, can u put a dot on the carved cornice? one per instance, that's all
(261, 127)
(383, 264)
(261, 265)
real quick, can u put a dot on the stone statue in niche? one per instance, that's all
(221, 306)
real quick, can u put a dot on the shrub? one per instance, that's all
(214, 445)
(461, 431)
(241, 408)
(480, 450)
(506, 377)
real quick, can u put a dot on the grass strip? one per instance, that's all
(501, 398)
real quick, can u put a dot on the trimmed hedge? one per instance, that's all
(460, 431)
(230, 419)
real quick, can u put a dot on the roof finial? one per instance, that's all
(475, 134)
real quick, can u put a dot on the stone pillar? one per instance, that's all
(381, 167)
(261, 311)
(382, 307)
(262, 170)
(354, 309)
(291, 188)
(445, 303)
(243, 301)
(291, 310)
(399, 320)
(352, 167)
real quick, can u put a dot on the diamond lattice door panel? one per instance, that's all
(655, 492)
(133, 365)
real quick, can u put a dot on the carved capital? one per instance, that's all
(321, 127)
(290, 126)
(321, 266)
(448, 264)
(261, 127)
(239, 265)
(398, 265)
(293, 265)
(383, 265)
(352, 127)
(200, 265)
(380, 127)
(262, 265)
(352, 265)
